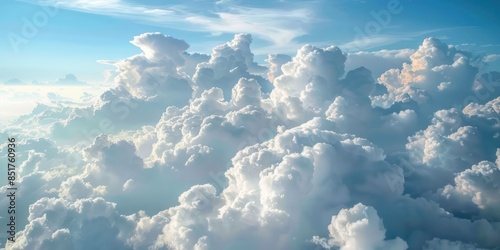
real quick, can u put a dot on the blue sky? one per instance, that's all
(80, 33)
(127, 139)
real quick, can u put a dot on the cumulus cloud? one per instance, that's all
(475, 191)
(490, 111)
(87, 223)
(275, 62)
(358, 228)
(68, 79)
(269, 180)
(452, 143)
(316, 150)
(439, 76)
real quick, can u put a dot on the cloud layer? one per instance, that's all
(312, 151)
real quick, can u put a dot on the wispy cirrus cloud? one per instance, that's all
(365, 42)
(280, 26)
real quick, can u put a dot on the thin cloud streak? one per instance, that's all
(380, 40)
(278, 26)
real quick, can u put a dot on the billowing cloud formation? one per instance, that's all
(314, 151)
(436, 71)
(359, 228)
(476, 189)
(83, 224)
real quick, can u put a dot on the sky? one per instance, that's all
(237, 124)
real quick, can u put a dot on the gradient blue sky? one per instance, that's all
(83, 32)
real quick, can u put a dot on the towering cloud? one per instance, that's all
(359, 228)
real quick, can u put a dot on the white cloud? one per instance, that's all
(477, 185)
(490, 111)
(276, 61)
(359, 228)
(86, 223)
(268, 180)
(431, 65)
(491, 58)
(280, 26)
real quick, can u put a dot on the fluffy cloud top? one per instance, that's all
(359, 228)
